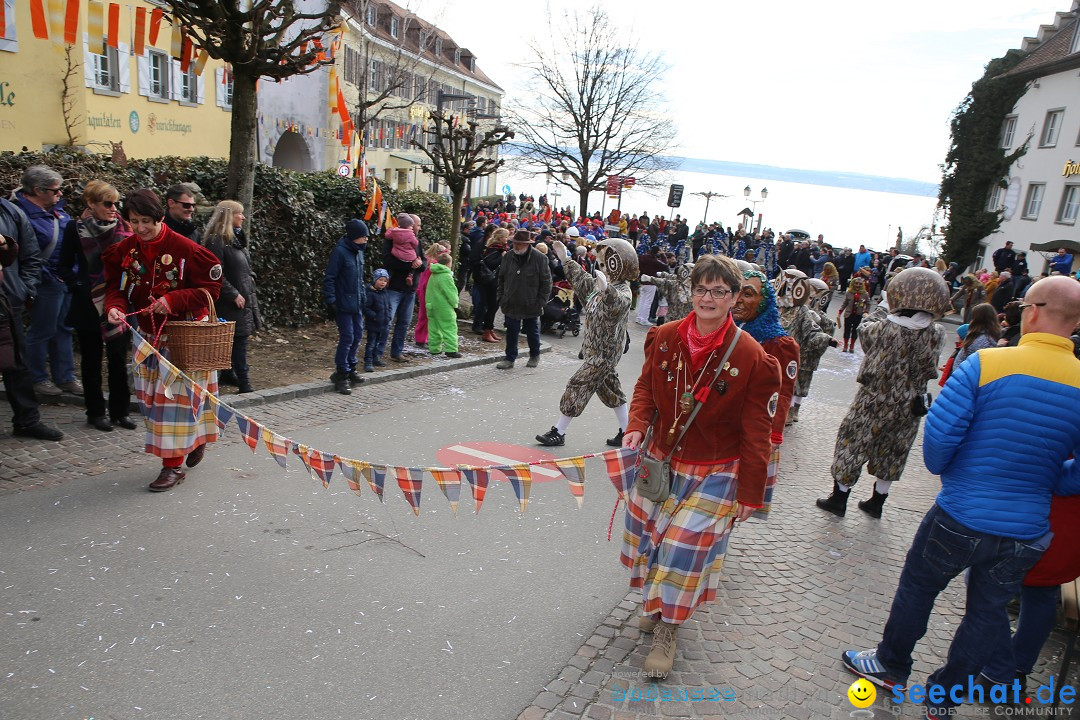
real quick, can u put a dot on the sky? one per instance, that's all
(841, 85)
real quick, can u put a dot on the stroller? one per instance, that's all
(560, 314)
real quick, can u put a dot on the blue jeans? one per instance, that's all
(479, 299)
(401, 307)
(376, 344)
(942, 549)
(1038, 615)
(48, 339)
(532, 333)
(350, 330)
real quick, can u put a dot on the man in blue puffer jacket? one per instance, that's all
(1000, 436)
(343, 290)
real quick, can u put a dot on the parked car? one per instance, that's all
(798, 235)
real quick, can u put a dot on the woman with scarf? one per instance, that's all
(850, 314)
(674, 549)
(151, 277)
(224, 236)
(99, 227)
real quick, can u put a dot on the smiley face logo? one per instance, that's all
(862, 693)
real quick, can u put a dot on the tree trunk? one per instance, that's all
(455, 221)
(242, 150)
(583, 202)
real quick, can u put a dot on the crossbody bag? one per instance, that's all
(653, 479)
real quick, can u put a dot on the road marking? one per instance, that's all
(536, 469)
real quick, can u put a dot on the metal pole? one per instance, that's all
(705, 218)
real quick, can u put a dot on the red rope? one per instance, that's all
(614, 510)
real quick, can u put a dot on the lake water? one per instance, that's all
(847, 217)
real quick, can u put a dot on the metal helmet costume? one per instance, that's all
(618, 259)
(919, 289)
(791, 288)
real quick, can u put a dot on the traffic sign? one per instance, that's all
(506, 189)
(674, 196)
(493, 453)
(344, 170)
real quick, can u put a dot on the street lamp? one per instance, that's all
(708, 196)
(764, 194)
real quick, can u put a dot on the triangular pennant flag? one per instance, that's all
(520, 477)
(449, 481)
(250, 430)
(321, 465)
(197, 397)
(621, 469)
(143, 350)
(376, 477)
(353, 470)
(301, 451)
(277, 445)
(410, 481)
(169, 374)
(573, 469)
(478, 478)
(222, 412)
(375, 201)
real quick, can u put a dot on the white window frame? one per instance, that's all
(1008, 131)
(10, 41)
(395, 26)
(187, 86)
(997, 194)
(222, 90)
(1033, 201)
(159, 63)
(438, 46)
(373, 75)
(424, 37)
(1075, 47)
(388, 134)
(1070, 205)
(457, 56)
(372, 14)
(114, 61)
(1051, 128)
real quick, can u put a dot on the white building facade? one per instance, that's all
(1041, 206)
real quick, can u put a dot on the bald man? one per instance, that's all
(1000, 436)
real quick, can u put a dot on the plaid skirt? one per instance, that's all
(762, 513)
(673, 549)
(175, 425)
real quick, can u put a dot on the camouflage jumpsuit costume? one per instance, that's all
(675, 289)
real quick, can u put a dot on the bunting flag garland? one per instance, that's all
(410, 481)
(143, 350)
(249, 429)
(301, 451)
(573, 469)
(222, 412)
(197, 397)
(478, 478)
(321, 465)
(140, 30)
(71, 22)
(449, 481)
(95, 33)
(113, 38)
(155, 24)
(185, 53)
(621, 469)
(520, 477)
(353, 472)
(37, 19)
(376, 477)
(200, 62)
(277, 446)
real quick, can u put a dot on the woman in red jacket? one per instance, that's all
(718, 468)
(158, 275)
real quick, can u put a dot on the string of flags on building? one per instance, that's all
(620, 463)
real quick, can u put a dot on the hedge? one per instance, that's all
(296, 220)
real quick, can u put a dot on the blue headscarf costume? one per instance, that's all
(766, 325)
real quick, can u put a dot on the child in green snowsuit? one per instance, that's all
(441, 302)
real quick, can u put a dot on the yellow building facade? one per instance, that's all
(143, 101)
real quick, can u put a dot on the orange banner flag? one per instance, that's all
(155, 25)
(113, 38)
(374, 201)
(37, 19)
(140, 30)
(3, 19)
(185, 53)
(71, 22)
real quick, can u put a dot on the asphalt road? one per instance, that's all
(250, 592)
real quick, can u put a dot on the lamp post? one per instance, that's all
(708, 196)
(746, 194)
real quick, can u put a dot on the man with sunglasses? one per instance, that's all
(991, 516)
(49, 337)
(180, 209)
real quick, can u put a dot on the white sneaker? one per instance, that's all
(47, 388)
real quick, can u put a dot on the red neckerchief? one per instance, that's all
(701, 345)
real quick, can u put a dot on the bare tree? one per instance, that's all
(261, 39)
(458, 153)
(596, 109)
(401, 78)
(67, 96)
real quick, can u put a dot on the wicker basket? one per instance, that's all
(200, 346)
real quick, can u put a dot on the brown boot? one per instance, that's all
(646, 624)
(167, 479)
(662, 656)
(489, 336)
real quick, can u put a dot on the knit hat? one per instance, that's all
(404, 220)
(380, 273)
(356, 229)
